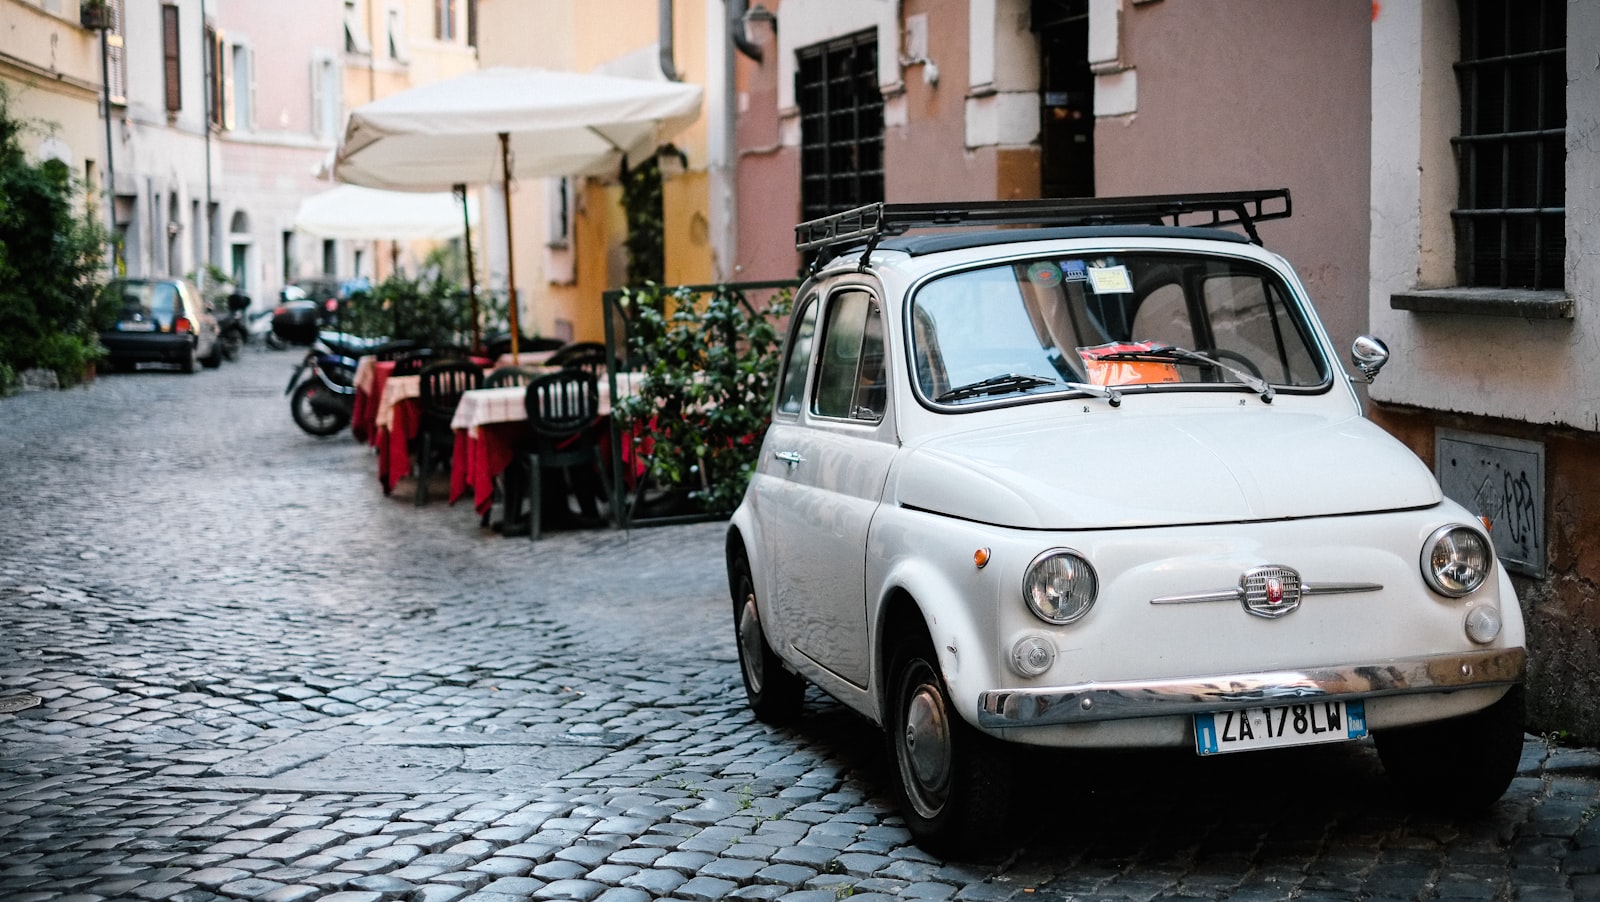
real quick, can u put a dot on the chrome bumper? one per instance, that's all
(1090, 702)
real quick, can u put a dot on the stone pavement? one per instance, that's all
(231, 668)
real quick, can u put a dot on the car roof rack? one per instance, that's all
(832, 235)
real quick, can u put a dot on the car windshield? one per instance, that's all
(1153, 319)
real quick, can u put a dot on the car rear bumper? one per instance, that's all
(148, 346)
(1092, 702)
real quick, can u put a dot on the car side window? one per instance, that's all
(850, 377)
(797, 361)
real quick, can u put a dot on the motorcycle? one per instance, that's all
(322, 389)
(233, 326)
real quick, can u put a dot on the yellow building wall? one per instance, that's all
(586, 36)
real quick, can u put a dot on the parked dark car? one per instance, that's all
(161, 321)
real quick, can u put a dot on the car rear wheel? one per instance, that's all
(1458, 766)
(187, 364)
(954, 783)
(773, 691)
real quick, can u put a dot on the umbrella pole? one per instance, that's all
(472, 272)
(511, 254)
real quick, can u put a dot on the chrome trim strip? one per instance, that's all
(1090, 702)
(1235, 594)
(1338, 588)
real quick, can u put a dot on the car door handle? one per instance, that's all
(789, 457)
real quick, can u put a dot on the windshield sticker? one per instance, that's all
(1045, 274)
(1110, 280)
(1075, 271)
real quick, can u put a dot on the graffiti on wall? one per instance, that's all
(1501, 480)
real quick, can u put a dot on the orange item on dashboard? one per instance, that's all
(1127, 372)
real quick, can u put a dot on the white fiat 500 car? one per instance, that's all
(1100, 482)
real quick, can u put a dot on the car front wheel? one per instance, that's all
(954, 783)
(774, 692)
(1458, 766)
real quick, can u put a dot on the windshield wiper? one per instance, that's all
(995, 385)
(1112, 396)
(1252, 381)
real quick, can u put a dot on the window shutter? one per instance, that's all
(171, 58)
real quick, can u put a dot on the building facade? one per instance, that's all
(50, 65)
(1485, 275)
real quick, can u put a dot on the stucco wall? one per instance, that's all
(1487, 375)
(1536, 371)
(1254, 94)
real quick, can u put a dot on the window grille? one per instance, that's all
(841, 125)
(1510, 222)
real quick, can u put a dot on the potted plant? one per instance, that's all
(94, 14)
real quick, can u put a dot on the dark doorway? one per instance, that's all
(1066, 98)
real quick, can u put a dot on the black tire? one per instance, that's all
(955, 785)
(774, 692)
(1459, 766)
(308, 417)
(187, 364)
(214, 359)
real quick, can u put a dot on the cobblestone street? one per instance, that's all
(232, 668)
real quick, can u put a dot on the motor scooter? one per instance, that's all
(322, 389)
(233, 326)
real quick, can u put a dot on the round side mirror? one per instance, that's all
(1369, 354)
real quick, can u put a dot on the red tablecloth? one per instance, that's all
(479, 458)
(394, 444)
(370, 378)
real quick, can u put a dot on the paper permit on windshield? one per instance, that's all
(1126, 372)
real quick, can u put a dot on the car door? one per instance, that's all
(827, 464)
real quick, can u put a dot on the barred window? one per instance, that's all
(1510, 222)
(841, 125)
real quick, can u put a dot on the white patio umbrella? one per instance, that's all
(369, 214)
(503, 124)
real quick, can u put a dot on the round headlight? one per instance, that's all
(1456, 560)
(1060, 586)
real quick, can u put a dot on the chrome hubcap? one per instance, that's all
(925, 749)
(751, 644)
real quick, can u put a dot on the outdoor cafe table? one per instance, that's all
(488, 422)
(395, 422)
(371, 376)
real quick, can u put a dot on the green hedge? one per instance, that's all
(709, 360)
(50, 257)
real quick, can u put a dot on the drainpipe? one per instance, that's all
(664, 26)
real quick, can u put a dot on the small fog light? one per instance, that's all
(1483, 624)
(1032, 655)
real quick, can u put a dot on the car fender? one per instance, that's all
(955, 604)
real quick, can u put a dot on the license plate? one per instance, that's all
(136, 327)
(1305, 723)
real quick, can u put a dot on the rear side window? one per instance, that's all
(797, 360)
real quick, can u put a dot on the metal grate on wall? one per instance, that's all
(841, 125)
(1511, 222)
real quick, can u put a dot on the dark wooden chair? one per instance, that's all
(564, 426)
(589, 356)
(441, 386)
(509, 375)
